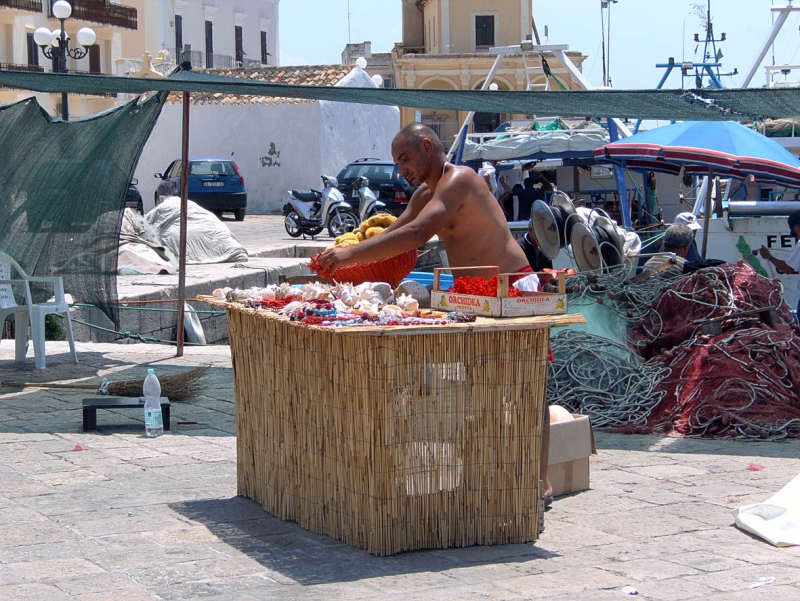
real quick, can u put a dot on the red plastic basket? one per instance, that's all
(391, 270)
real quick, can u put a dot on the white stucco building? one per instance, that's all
(278, 143)
(222, 33)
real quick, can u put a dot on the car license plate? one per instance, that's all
(213, 184)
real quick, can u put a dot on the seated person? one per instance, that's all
(689, 219)
(677, 240)
(536, 258)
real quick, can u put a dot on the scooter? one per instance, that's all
(308, 212)
(369, 204)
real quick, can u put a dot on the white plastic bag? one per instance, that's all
(776, 520)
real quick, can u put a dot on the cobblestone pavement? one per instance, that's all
(129, 517)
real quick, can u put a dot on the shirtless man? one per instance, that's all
(451, 201)
(455, 203)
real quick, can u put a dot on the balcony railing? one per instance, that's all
(102, 12)
(201, 60)
(31, 6)
(13, 67)
(219, 61)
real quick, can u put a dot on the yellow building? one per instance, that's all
(110, 21)
(447, 44)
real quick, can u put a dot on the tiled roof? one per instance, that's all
(312, 75)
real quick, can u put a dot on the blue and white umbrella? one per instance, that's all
(726, 147)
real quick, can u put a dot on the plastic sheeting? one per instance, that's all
(776, 520)
(538, 145)
(208, 240)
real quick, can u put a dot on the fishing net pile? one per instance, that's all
(742, 382)
(679, 312)
(595, 376)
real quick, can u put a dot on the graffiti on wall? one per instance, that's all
(271, 158)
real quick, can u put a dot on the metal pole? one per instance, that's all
(184, 210)
(62, 68)
(708, 211)
(457, 149)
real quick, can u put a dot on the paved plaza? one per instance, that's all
(114, 515)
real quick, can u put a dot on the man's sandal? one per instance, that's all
(546, 497)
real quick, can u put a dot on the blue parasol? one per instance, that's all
(729, 148)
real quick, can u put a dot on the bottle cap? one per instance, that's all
(151, 371)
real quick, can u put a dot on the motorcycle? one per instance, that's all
(369, 204)
(308, 212)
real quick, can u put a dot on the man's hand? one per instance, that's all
(334, 258)
(765, 253)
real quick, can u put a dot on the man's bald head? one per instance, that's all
(415, 133)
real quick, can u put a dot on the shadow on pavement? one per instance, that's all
(695, 446)
(310, 559)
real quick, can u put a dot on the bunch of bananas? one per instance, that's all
(369, 228)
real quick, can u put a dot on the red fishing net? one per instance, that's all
(741, 382)
(679, 312)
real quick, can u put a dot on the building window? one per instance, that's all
(178, 37)
(209, 45)
(33, 52)
(239, 42)
(484, 30)
(264, 53)
(94, 59)
(388, 82)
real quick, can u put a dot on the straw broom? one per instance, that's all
(176, 387)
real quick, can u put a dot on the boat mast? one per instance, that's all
(783, 15)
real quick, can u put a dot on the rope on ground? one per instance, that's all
(594, 376)
(129, 335)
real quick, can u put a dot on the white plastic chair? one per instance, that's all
(9, 306)
(36, 311)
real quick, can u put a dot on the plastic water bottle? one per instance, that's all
(153, 421)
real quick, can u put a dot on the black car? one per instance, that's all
(133, 199)
(384, 180)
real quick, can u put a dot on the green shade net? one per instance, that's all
(677, 105)
(62, 193)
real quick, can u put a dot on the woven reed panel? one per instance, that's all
(391, 443)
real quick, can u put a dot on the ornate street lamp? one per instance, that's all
(55, 45)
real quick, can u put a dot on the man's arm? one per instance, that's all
(420, 226)
(415, 204)
(782, 266)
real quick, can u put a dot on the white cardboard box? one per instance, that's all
(571, 443)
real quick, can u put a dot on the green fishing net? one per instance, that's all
(62, 193)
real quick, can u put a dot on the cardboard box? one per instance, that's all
(502, 305)
(571, 443)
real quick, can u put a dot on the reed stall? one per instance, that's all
(392, 439)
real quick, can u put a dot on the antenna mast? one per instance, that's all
(348, 22)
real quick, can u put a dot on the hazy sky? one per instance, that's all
(642, 33)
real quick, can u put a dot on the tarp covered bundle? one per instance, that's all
(62, 192)
(554, 140)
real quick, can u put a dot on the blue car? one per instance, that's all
(215, 184)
